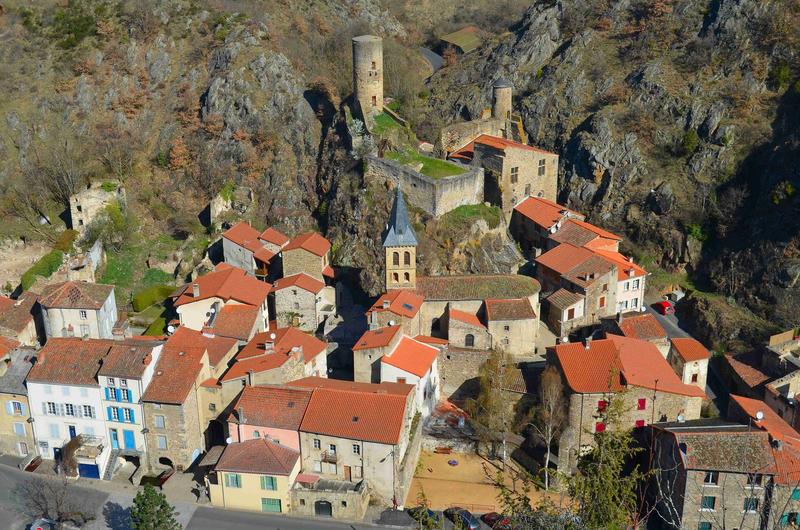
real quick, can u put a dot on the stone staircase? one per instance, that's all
(112, 464)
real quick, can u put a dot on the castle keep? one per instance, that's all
(368, 74)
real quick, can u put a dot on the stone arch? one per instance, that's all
(406, 258)
(396, 258)
(469, 340)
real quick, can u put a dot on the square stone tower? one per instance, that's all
(368, 74)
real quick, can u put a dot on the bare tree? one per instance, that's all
(549, 414)
(51, 498)
(58, 165)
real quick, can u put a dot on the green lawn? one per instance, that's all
(431, 167)
(383, 124)
(463, 216)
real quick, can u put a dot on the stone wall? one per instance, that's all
(299, 260)
(454, 137)
(730, 493)
(181, 428)
(458, 371)
(367, 362)
(457, 332)
(410, 326)
(435, 196)
(348, 504)
(296, 307)
(238, 256)
(515, 337)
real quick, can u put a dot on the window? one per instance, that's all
(84, 330)
(639, 424)
(88, 411)
(601, 405)
(407, 258)
(317, 466)
(570, 313)
(317, 444)
(395, 258)
(160, 421)
(374, 101)
(271, 505)
(123, 383)
(708, 503)
(16, 408)
(128, 415)
(506, 341)
(51, 408)
(69, 409)
(514, 175)
(269, 483)
(469, 340)
(161, 441)
(527, 190)
(54, 431)
(401, 380)
(396, 277)
(19, 429)
(506, 328)
(22, 448)
(602, 302)
(635, 285)
(233, 480)
(302, 502)
(599, 427)
(754, 479)
(125, 394)
(694, 378)
(711, 478)
(705, 525)
(111, 381)
(407, 277)
(796, 494)
(605, 287)
(83, 314)
(332, 449)
(212, 407)
(374, 67)
(114, 411)
(356, 449)
(344, 504)
(542, 167)
(641, 404)
(357, 471)
(635, 303)
(256, 434)
(112, 394)
(750, 504)
(626, 286)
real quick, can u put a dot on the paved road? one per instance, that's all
(670, 323)
(216, 519)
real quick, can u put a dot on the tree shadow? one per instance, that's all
(117, 517)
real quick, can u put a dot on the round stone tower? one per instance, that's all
(368, 74)
(501, 99)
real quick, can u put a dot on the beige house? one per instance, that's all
(255, 475)
(79, 309)
(16, 432)
(303, 302)
(257, 253)
(308, 253)
(369, 349)
(689, 359)
(512, 324)
(17, 318)
(397, 307)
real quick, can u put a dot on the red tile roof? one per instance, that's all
(16, 317)
(596, 229)
(690, 349)
(264, 254)
(771, 422)
(178, 367)
(5, 303)
(356, 415)
(509, 309)
(623, 264)
(271, 406)
(612, 363)
(218, 348)
(270, 235)
(564, 258)
(398, 389)
(644, 327)
(411, 356)
(328, 272)
(236, 321)
(227, 283)
(563, 299)
(745, 366)
(376, 338)
(6, 345)
(271, 349)
(400, 302)
(259, 456)
(69, 361)
(466, 318)
(503, 144)
(543, 212)
(76, 295)
(128, 360)
(431, 340)
(312, 242)
(301, 280)
(243, 235)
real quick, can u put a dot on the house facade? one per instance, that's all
(270, 412)
(308, 253)
(690, 360)
(302, 302)
(397, 307)
(257, 253)
(78, 309)
(16, 431)
(368, 351)
(414, 363)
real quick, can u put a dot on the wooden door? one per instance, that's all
(347, 473)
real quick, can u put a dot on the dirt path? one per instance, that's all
(17, 257)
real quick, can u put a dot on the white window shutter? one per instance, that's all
(9, 408)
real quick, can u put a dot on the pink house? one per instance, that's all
(271, 412)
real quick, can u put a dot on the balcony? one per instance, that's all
(329, 457)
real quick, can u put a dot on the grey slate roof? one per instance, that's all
(503, 83)
(13, 381)
(399, 232)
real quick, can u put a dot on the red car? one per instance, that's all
(497, 521)
(664, 307)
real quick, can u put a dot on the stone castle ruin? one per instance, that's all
(368, 75)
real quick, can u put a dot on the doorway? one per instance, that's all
(348, 474)
(73, 432)
(114, 439)
(323, 509)
(128, 440)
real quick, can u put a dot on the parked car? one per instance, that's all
(664, 308)
(42, 524)
(464, 517)
(497, 521)
(426, 516)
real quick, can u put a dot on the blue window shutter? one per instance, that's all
(24, 409)
(133, 417)
(106, 389)
(9, 408)
(108, 410)
(130, 396)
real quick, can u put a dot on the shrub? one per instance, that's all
(71, 25)
(226, 192)
(695, 231)
(65, 240)
(151, 295)
(109, 186)
(690, 142)
(45, 267)
(780, 75)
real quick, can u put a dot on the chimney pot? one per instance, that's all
(386, 304)
(195, 290)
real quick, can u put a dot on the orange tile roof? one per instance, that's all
(227, 283)
(271, 406)
(6, 345)
(509, 309)
(376, 338)
(645, 327)
(589, 271)
(623, 264)
(465, 153)
(596, 370)
(236, 321)
(243, 235)
(218, 348)
(264, 254)
(312, 242)
(503, 144)
(564, 258)
(772, 422)
(18, 315)
(178, 367)
(400, 302)
(70, 361)
(543, 212)
(355, 415)
(745, 366)
(328, 272)
(690, 349)
(5, 303)
(128, 360)
(431, 340)
(270, 235)
(466, 318)
(562, 299)
(398, 389)
(597, 230)
(76, 295)
(258, 456)
(271, 349)
(300, 280)
(411, 356)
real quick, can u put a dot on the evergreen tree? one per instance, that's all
(151, 511)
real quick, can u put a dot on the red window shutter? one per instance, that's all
(639, 423)
(601, 405)
(599, 426)
(642, 404)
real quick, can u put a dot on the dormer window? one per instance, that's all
(111, 381)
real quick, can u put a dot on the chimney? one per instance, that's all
(587, 343)
(240, 413)
(297, 352)
(196, 290)
(630, 259)
(620, 318)
(249, 379)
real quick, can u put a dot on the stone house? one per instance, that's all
(269, 412)
(254, 475)
(183, 400)
(203, 304)
(303, 302)
(369, 349)
(533, 221)
(414, 362)
(398, 307)
(308, 253)
(512, 325)
(465, 329)
(18, 318)
(85, 205)
(513, 170)
(356, 431)
(16, 432)
(640, 326)
(689, 359)
(275, 357)
(628, 369)
(79, 309)
(257, 253)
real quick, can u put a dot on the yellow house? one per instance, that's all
(16, 434)
(255, 475)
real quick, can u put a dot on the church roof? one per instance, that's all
(399, 233)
